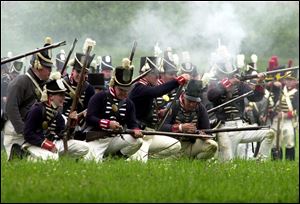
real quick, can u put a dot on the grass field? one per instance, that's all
(116, 180)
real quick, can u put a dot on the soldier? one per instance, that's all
(44, 125)
(106, 69)
(231, 115)
(23, 92)
(97, 81)
(16, 68)
(142, 95)
(187, 67)
(112, 110)
(70, 83)
(60, 61)
(287, 112)
(5, 79)
(188, 115)
(168, 72)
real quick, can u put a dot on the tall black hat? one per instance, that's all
(122, 75)
(106, 63)
(55, 86)
(77, 63)
(193, 90)
(169, 66)
(150, 62)
(43, 57)
(96, 80)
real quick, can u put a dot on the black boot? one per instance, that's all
(16, 152)
(290, 153)
(276, 155)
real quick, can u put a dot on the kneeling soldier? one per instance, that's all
(187, 116)
(44, 124)
(111, 110)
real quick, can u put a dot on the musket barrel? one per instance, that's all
(230, 101)
(33, 52)
(248, 77)
(210, 131)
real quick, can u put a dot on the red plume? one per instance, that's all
(271, 65)
(290, 63)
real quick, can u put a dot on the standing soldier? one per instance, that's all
(44, 125)
(142, 95)
(106, 69)
(287, 115)
(231, 115)
(187, 116)
(60, 61)
(112, 110)
(23, 92)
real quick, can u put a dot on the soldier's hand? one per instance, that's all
(138, 133)
(73, 115)
(261, 77)
(277, 84)
(189, 127)
(114, 125)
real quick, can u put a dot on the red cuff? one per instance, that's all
(226, 83)
(104, 123)
(175, 128)
(290, 114)
(181, 80)
(259, 88)
(47, 144)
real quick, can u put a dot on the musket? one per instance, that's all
(70, 122)
(210, 131)
(93, 135)
(277, 151)
(132, 52)
(161, 122)
(230, 101)
(68, 57)
(33, 52)
(248, 77)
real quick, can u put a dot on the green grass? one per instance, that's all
(180, 180)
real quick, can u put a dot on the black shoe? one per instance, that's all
(16, 152)
(276, 155)
(290, 153)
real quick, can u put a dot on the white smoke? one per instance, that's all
(197, 33)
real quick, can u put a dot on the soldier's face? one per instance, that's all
(44, 73)
(169, 76)
(107, 73)
(58, 99)
(121, 93)
(190, 105)
(76, 75)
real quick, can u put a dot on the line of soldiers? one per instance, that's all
(39, 106)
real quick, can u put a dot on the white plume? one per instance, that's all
(88, 42)
(55, 75)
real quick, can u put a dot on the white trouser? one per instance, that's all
(228, 141)
(157, 146)
(245, 151)
(201, 149)
(76, 148)
(11, 137)
(286, 135)
(125, 143)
